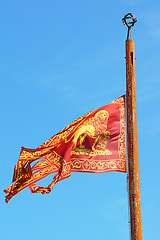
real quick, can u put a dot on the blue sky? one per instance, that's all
(58, 61)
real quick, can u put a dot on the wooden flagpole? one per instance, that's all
(133, 167)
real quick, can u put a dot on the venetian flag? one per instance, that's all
(93, 143)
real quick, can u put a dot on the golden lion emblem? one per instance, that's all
(92, 136)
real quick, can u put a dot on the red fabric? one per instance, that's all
(94, 143)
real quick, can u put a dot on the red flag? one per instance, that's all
(94, 143)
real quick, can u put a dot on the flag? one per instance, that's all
(93, 143)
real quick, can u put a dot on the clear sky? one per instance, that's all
(58, 61)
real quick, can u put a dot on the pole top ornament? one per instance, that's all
(129, 20)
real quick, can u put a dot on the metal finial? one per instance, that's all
(129, 20)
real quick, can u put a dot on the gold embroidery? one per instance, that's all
(77, 164)
(94, 128)
(87, 165)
